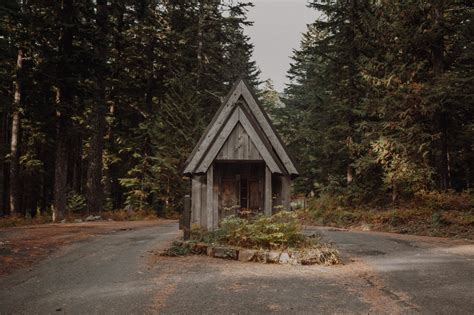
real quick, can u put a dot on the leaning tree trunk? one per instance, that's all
(94, 192)
(15, 138)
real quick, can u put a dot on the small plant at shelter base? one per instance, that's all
(271, 239)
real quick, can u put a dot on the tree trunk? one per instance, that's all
(3, 142)
(438, 69)
(94, 191)
(61, 165)
(15, 139)
(94, 188)
(444, 165)
(354, 97)
(64, 107)
(108, 169)
(199, 53)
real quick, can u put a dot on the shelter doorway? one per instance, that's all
(241, 187)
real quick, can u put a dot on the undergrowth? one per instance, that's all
(280, 231)
(116, 215)
(434, 214)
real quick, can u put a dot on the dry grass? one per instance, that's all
(14, 220)
(433, 214)
(125, 215)
(117, 215)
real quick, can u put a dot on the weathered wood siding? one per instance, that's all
(239, 146)
(221, 186)
(281, 186)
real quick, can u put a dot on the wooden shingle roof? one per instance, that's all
(241, 107)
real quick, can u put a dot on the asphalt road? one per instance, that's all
(118, 274)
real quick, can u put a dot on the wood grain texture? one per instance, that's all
(264, 152)
(218, 143)
(217, 182)
(210, 199)
(203, 209)
(196, 200)
(285, 192)
(268, 192)
(213, 129)
(270, 133)
(235, 149)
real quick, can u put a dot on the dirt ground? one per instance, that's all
(122, 272)
(21, 247)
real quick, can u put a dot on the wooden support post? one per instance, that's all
(268, 192)
(285, 192)
(196, 200)
(215, 198)
(187, 217)
(210, 198)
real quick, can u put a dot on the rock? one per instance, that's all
(365, 227)
(232, 253)
(225, 253)
(260, 256)
(294, 258)
(93, 218)
(246, 255)
(219, 252)
(78, 221)
(284, 258)
(273, 257)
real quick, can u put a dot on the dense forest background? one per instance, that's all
(102, 101)
(380, 107)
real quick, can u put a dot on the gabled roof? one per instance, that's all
(241, 106)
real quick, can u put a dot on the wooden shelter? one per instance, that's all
(239, 164)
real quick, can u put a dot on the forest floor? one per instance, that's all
(124, 273)
(429, 214)
(424, 222)
(21, 247)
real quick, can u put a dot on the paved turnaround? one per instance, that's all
(119, 274)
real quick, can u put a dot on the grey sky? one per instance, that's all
(277, 29)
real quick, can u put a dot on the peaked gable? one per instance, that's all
(245, 150)
(241, 106)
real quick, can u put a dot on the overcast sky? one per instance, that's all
(277, 29)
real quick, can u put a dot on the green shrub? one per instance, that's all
(177, 249)
(280, 231)
(75, 202)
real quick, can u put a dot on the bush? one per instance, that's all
(280, 231)
(177, 249)
(75, 202)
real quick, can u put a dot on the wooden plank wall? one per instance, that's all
(268, 192)
(208, 187)
(285, 192)
(239, 146)
(210, 198)
(281, 186)
(198, 201)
